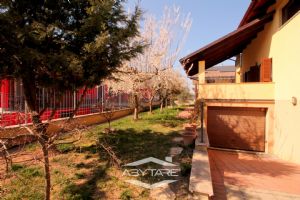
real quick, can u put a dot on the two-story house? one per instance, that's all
(261, 110)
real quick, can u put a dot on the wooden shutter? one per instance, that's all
(266, 70)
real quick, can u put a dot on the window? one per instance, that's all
(291, 8)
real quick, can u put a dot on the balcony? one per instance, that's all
(237, 91)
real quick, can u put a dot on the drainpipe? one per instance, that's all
(201, 80)
(202, 117)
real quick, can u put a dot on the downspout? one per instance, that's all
(201, 119)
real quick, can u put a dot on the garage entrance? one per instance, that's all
(236, 127)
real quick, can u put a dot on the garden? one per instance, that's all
(92, 167)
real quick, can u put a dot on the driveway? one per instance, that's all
(250, 176)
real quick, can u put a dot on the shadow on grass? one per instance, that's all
(87, 189)
(131, 145)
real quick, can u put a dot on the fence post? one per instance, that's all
(1, 94)
(43, 94)
(97, 95)
(26, 110)
(120, 99)
(102, 101)
(74, 101)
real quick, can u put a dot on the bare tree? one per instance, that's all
(6, 155)
(108, 113)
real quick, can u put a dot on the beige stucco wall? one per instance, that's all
(282, 44)
(260, 47)
(245, 91)
(286, 70)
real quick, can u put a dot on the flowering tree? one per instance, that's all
(172, 84)
(165, 38)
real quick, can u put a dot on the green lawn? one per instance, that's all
(83, 170)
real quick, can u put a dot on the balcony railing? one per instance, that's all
(237, 91)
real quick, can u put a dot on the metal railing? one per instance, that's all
(13, 109)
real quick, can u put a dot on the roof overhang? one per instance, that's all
(256, 9)
(226, 47)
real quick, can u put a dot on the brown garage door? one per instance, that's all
(236, 128)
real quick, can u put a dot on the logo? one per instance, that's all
(166, 171)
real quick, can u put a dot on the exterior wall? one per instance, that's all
(281, 43)
(240, 91)
(260, 47)
(285, 53)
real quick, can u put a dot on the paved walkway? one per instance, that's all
(250, 176)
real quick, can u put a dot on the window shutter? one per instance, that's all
(266, 70)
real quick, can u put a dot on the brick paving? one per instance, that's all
(250, 176)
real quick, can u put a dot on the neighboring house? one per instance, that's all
(260, 111)
(220, 74)
(216, 74)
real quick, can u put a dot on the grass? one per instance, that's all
(16, 167)
(82, 170)
(28, 184)
(65, 148)
(126, 195)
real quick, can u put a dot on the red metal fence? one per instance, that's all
(13, 109)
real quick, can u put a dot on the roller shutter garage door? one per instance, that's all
(236, 128)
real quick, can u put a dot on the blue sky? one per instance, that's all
(211, 18)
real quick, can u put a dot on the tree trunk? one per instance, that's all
(136, 108)
(46, 169)
(161, 105)
(78, 103)
(40, 130)
(150, 104)
(171, 102)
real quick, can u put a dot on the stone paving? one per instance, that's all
(162, 193)
(250, 176)
(174, 151)
(165, 192)
(177, 140)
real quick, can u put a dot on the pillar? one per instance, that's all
(238, 74)
(201, 72)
